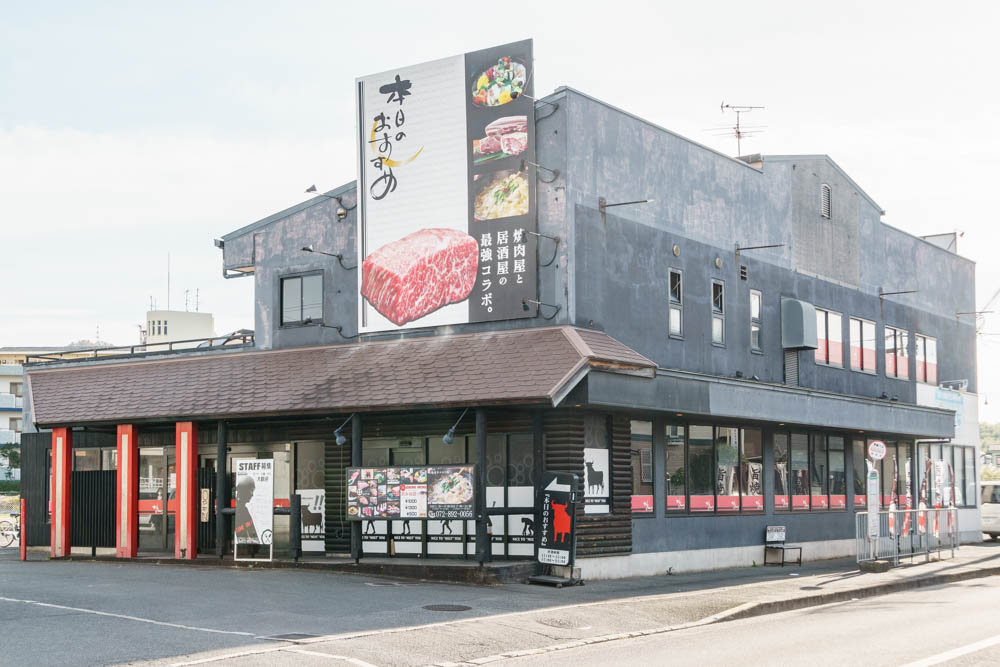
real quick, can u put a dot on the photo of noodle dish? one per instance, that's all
(505, 194)
(451, 488)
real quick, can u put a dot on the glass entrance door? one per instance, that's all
(157, 499)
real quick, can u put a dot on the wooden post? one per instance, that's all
(356, 550)
(221, 488)
(127, 519)
(62, 474)
(484, 547)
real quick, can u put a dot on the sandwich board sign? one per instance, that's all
(555, 523)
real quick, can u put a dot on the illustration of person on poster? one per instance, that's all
(246, 531)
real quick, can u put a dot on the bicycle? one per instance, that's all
(10, 530)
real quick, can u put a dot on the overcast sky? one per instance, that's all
(130, 130)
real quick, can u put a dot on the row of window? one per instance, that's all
(157, 327)
(861, 332)
(676, 311)
(719, 469)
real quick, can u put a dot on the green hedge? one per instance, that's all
(10, 486)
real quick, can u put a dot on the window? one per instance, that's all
(164, 327)
(781, 495)
(718, 313)
(829, 338)
(14, 424)
(837, 475)
(701, 467)
(800, 471)
(926, 359)
(755, 306)
(727, 456)
(642, 468)
(17, 388)
(302, 299)
(858, 456)
(826, 201)
(676, 490)
(676, 324)
(752, 470)
(818, 472)
(897, 363)
(862, 345)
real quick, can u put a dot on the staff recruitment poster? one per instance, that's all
(253, 525)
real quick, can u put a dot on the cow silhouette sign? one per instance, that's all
(555, 522)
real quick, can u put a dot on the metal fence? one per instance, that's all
(906, 534)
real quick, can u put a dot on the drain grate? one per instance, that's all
(446, 607)
(290, 637)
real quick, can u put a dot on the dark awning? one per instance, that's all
(519, 367)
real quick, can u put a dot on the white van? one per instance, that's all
(991, 509)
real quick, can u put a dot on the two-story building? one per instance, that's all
(710, 345)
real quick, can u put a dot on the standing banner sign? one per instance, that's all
(254, 520)
(313, 519)
(446, 191)
(555, 522)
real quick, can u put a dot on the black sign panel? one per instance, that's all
(556, 522)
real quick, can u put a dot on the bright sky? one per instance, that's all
(130, 130)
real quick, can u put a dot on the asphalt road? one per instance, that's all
(958, 624)
(80, 612)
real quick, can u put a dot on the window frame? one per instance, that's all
(921, 364)
(826, 337)
(861, 334)
(720, 313)
(302, 322)
(898, 332)
(675, 305)
(19, 393)
(757, 321)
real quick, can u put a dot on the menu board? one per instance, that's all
(411, 492)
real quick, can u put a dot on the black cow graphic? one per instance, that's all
(312, 522)
(595, 478)
(527, 527)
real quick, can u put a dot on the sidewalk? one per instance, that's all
(605, 611)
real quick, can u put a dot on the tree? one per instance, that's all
(12, 455)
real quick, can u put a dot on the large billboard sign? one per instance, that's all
(446, 191)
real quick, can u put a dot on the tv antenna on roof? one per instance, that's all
(739, 131)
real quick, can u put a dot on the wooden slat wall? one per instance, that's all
(597, 535)
(338, 531)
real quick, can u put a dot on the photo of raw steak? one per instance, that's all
(417, 274)
(514, 143)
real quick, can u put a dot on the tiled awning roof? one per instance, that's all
(524, 366)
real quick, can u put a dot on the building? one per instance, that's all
(710, 344)
(168, 326)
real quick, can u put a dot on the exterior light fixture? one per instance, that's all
(525, 307)
(341, 210)
(449, 437)
(340, 258)
(603, 205)
(338, 436)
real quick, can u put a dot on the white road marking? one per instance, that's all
(127, 617)
(228, 656)
(956, 652)
(353, 661)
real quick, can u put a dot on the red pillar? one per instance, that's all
(127, 504)
(62, 473)
(185, 526)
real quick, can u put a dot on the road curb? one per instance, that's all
(749, 610)
(753, 609)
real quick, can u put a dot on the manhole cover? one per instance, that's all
(446, 607)
(290, 637)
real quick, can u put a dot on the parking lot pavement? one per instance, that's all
(106, 612)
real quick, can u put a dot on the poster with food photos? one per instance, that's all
(446, 191)
(411, 492)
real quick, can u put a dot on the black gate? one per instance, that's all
(92, 508)
(35, 448)
(206, 529)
